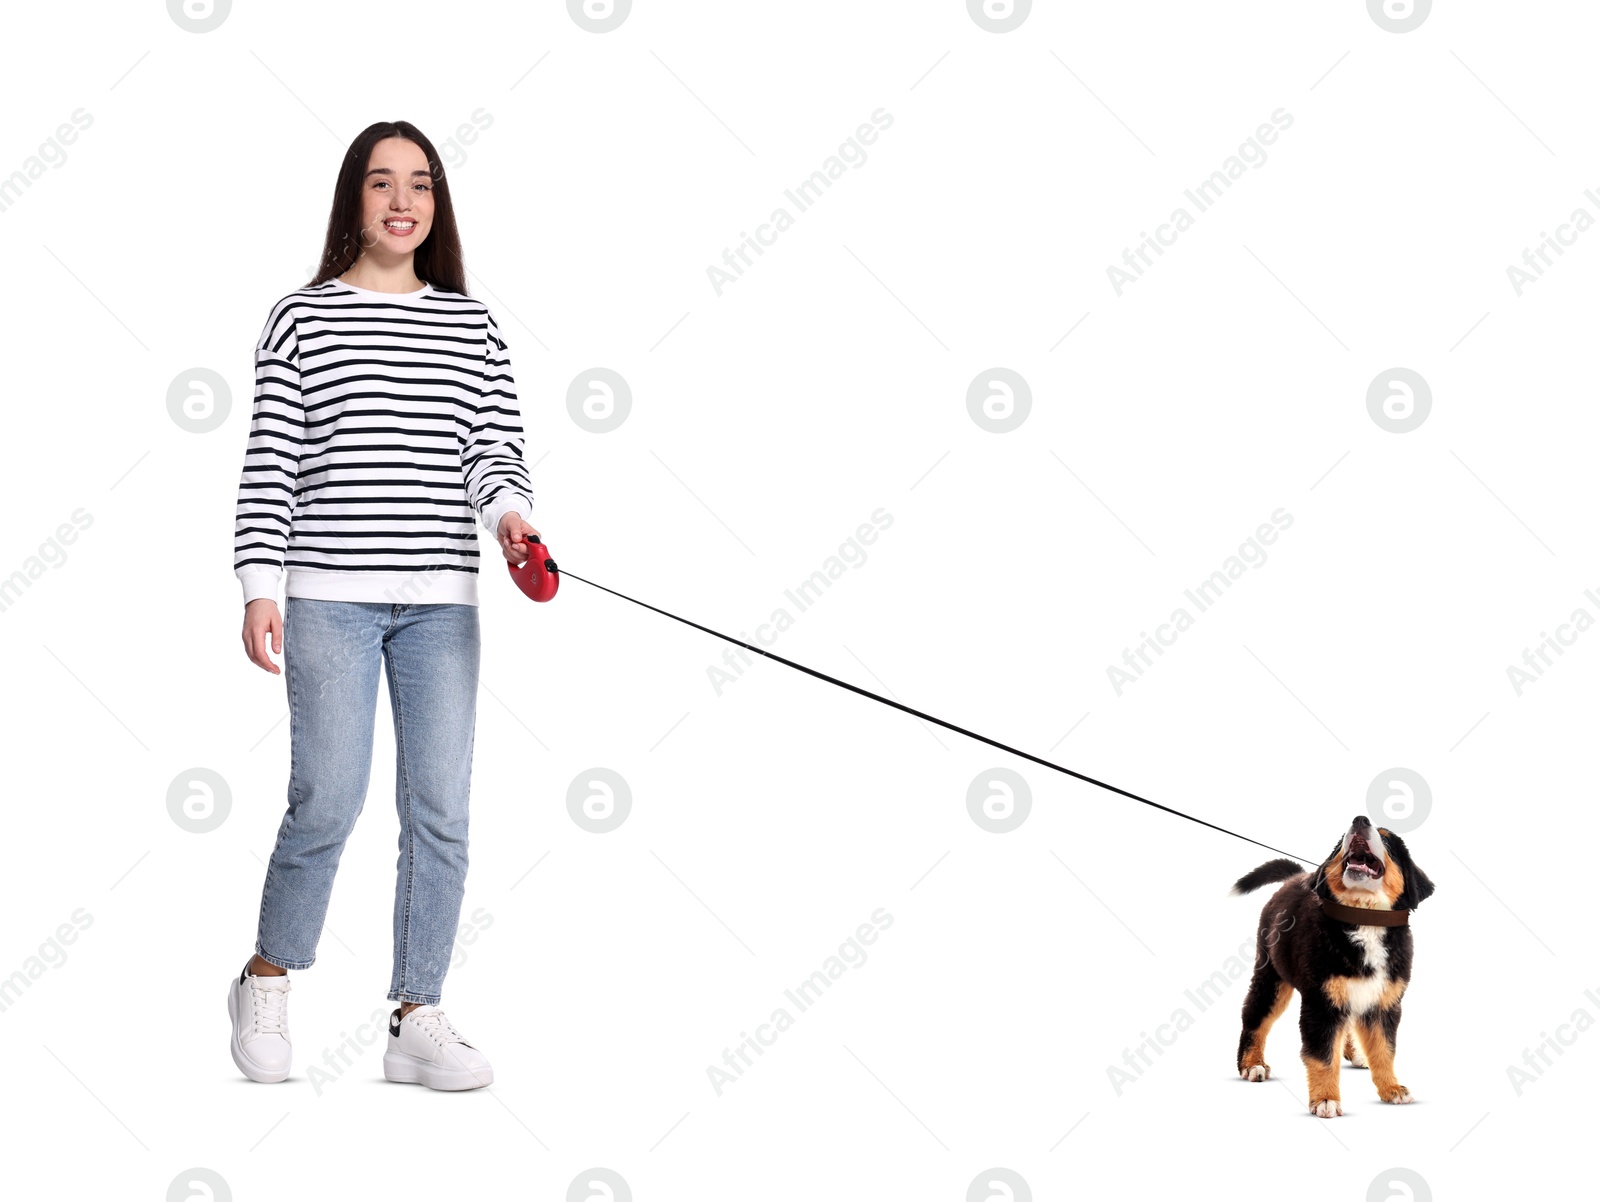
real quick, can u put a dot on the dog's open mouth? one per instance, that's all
(1360, 860)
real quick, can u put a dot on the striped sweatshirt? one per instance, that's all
(382, 422)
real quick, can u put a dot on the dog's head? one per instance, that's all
(1371, 867)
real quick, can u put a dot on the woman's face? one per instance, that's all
(396, 199)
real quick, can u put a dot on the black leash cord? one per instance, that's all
(971, 734)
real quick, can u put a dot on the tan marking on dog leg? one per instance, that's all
(1337, 990)
(1322, 1083)
(1255, 1067)
(1381, 1058)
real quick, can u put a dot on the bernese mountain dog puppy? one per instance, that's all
(1339, 934)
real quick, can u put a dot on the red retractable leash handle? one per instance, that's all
(537, 576)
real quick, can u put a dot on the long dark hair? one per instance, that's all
(438, 260)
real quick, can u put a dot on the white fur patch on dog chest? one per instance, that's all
(1363, 993)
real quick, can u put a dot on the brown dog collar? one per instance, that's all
(1365, 918)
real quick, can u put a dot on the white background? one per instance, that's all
(767, 424)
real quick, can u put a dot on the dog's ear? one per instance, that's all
(1418, 886)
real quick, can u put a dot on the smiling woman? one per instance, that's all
(390, 195)
(385, 419)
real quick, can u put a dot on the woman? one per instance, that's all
(385, 417)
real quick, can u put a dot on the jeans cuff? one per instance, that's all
(421, 999)
(284, 964)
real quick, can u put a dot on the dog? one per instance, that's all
(1341, 935)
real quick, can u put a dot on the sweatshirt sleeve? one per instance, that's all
(271, 460)
(496, 474)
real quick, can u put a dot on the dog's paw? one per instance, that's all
(1398, 1094)
(1327, 1108)
(1256, 1072)
(1353, 1053)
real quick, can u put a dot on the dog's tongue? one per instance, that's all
(1359, 857)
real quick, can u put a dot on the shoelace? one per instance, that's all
(438, 1027)
(269, 1011)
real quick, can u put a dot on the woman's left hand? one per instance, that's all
(515, 535)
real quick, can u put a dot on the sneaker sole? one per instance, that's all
(247, 1066)
(398, 1066)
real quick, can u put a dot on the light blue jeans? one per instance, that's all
(331, 655)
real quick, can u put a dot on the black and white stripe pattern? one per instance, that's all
(381, 422)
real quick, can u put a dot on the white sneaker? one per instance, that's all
(259, 1008)
(424, 1049)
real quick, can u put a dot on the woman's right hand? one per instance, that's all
(261, 617)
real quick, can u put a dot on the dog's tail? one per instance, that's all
(1272, 870)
